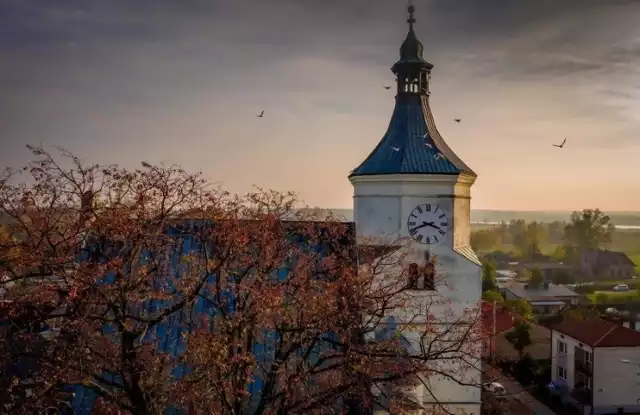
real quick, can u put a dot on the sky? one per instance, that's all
(181, 81)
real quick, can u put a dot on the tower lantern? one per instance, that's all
(412, 71)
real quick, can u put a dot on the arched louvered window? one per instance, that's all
(421, 279)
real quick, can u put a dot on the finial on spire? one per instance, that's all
(411, 20)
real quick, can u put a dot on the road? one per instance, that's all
(516, 392)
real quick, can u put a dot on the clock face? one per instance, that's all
(428, 223)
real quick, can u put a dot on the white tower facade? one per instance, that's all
(413, 186)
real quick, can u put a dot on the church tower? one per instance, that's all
(414, 187)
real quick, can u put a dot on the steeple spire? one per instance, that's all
(411, 19)
(412, 70)
(412, 143)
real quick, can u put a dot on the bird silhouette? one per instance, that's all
(146, 165)
(560, 145)
(261, 115)
(386, 87)
(395, 148)
(457, 120)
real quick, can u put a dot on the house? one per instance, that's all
(597, 363)
(496, 320)
(545, 299)
(504, 276)
(496, 326)
(549, 269)
(609, 265)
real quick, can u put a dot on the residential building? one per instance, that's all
(499, 322)
(546, 299)
(548, 269)
(603, 264)
(504, 276)
(598, 363)
(496, 320)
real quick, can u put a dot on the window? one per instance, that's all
(421, 279)
(562, 347)
(583, 358)
(562, 373)
(583, 380)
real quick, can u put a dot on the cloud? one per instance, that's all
(182, 80)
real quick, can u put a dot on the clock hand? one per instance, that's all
(420, 226)
(432, 225)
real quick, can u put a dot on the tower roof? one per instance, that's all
(412, 143)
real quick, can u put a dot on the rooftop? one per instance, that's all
(604, 258)
(551, 292)
(504, 319)
(411, 144)
(545, 265)
(598, 333)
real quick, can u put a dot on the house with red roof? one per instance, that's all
(598, 362)
(496, 320)
(497, 324)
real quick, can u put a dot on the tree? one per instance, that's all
(523, 273)
(559, 253)
(563, 277)
(515, 230)
(520, 307)
(491, 296)
(488, 276)
(527, 238)
(536, 279)
(156, 288)
(589, 229)
(581, 313)
(520, 337)
(484, 240)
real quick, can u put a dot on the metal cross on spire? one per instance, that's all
(411, 20)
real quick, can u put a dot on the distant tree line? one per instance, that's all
(588, 229)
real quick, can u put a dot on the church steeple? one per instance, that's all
(412, 70)
(412, 143)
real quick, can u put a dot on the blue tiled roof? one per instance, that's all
(405, 149)
(168, 335)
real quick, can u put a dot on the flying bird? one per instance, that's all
(457, 120)
(395, 148)
(386, 87)
(560, 145)
(261, 115)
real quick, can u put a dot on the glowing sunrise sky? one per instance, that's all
(181, 81)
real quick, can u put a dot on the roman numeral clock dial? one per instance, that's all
(428, 223)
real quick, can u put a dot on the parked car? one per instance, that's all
(621, 287)
(495, 388)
